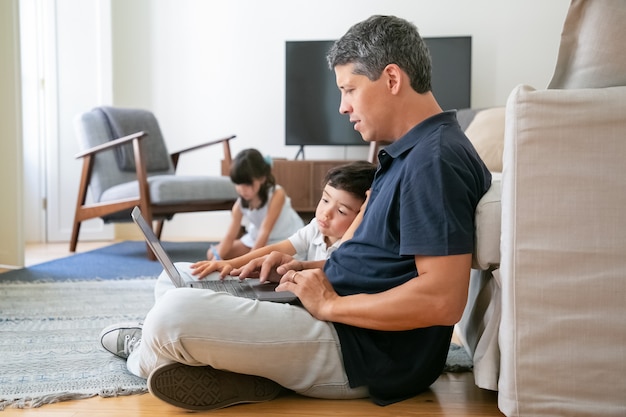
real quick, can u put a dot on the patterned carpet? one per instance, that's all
(49, 339)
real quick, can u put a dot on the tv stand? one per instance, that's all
(302, 181)
(300, 152)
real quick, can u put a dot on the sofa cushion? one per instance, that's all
(486, 132)
(591, 53)
(487, 247)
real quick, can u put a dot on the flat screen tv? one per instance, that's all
(312, 99)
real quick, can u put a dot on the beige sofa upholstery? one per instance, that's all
(563, 267)
(545, 322)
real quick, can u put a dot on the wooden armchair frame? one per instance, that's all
(150, 211)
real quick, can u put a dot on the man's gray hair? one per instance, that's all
(378, 41)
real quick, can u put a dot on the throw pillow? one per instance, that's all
(486, 132)
(591, 54)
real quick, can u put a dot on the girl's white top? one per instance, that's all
(288, 222)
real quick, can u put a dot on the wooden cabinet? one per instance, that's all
(302, 180)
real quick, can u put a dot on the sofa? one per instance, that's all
(547, 299)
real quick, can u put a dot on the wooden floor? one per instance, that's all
(452, 394)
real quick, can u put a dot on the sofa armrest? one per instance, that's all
(563, 253)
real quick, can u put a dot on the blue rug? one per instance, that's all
(119, 261)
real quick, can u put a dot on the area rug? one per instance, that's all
(118, 261)
(49, 339)
(458, 360)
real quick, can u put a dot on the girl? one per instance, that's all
(262, 203)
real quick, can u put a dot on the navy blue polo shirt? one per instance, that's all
(422, 202)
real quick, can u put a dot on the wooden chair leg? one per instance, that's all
(159, 228)
(85, 177)
(74, 238)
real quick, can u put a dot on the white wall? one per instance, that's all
(210, 68)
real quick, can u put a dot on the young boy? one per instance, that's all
(337, 215)
(339, 210)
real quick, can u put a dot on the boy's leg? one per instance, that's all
(280, 342)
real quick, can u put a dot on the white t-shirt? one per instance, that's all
(309, 243)
(288, 222)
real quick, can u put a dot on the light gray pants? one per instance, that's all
(281, 342)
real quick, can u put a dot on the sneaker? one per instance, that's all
(206, 388)
(122, 338)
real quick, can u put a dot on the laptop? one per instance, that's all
(247, 288)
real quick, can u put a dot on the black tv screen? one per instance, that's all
(312, 98)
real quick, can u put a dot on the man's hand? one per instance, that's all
(313, 289)
(268, 268)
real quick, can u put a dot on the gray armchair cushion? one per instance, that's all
(123, 122)
(92, 129)
(165, 189)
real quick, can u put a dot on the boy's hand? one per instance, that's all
(203, 268)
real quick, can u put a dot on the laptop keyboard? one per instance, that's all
(231, 286)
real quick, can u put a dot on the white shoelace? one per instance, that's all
(130, 344)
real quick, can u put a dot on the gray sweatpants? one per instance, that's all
(281, 342)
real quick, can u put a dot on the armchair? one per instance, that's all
(126, 164)
(545, 319)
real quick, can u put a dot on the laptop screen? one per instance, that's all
(157, 248)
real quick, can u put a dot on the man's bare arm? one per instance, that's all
(436, 297)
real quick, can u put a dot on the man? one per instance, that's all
(377, 320)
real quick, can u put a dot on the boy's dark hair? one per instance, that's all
(355, 177)
(249, 165)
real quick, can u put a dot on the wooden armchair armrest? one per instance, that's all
(225, 141)
(97, 209)
(112, 144)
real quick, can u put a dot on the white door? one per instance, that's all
(74, 51)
